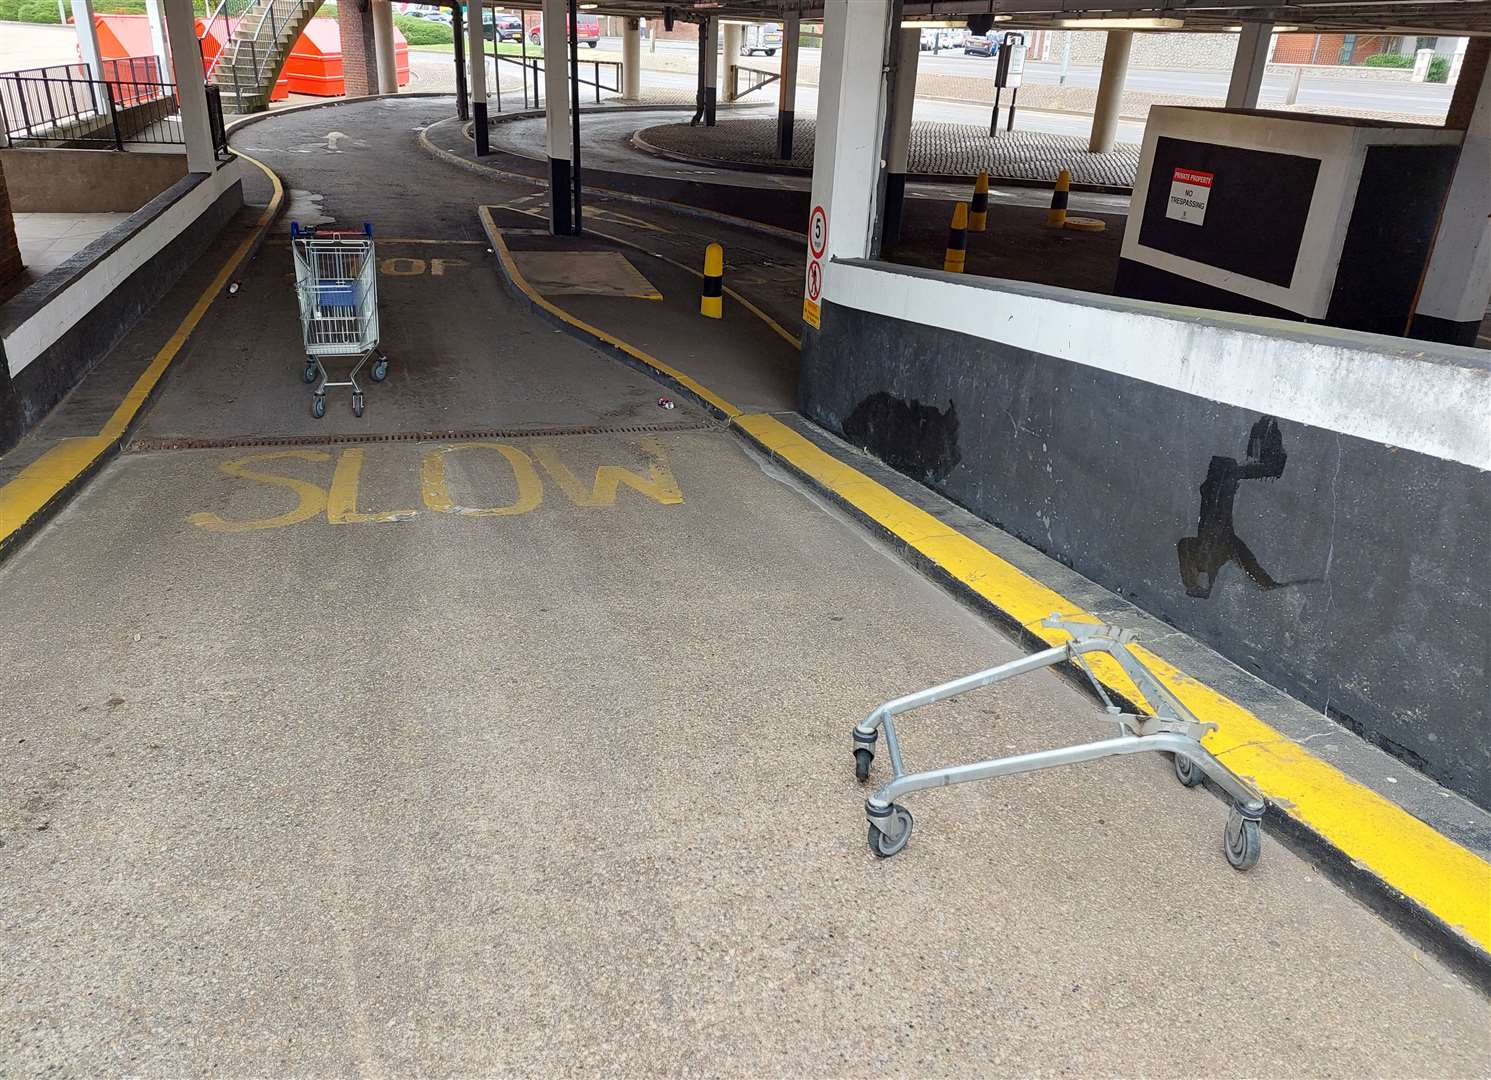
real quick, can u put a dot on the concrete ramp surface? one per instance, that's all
(506, 731)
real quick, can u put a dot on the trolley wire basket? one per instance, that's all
(336, 286)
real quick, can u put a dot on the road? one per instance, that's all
(524, 750)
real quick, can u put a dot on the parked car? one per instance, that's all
(429, 13)
(503, 27)
(981, 45)
(760, 37)
(588, 27)
(942, 37)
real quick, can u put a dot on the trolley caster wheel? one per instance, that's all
(380, 369)
(1187, 771)
(309, 374)
(1243, 841)
(318, 406)
(357, 404)
(862, 759)
(885, 845)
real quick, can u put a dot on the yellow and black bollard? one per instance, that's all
(957, 240)
(1056, 216)
(711, 300)
(978, 215)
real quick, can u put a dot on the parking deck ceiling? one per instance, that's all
(1391, 16)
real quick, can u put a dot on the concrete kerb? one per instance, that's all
(639, 141)
(1466, 948)
(441, 154)
(44, 487)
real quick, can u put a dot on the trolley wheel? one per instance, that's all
(885, 846)
(357, 404)
(309, 374)
(380, 369)
(318, 406)
(862, 759)
(1243, 841)
(1187, 771)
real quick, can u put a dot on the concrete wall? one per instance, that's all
(1315, 504)
(1192, 52)
(87, 181)
(57, 329)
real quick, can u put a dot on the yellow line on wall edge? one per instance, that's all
(1446, 879)
(38, 484)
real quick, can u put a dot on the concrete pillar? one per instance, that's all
(631, 60)
(191, 89)
(1467, 90)
(731, 41)
(158, 38)
(1110, 91)
(1457, 283)
(709, 37)
(902, 98)
(87, 33)
(559, 138)
(388, 76)
(1248, 65)
(458, 39)
(359, 49)
(847, 168)
(787, 85)
(476, 49)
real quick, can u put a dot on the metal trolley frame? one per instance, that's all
(1173, 728)
(336, 284)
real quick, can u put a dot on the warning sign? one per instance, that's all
(810, 314)
(815, 280)
(1189, 192)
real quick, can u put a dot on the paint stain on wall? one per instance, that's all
(1216, 542)
(918, 440)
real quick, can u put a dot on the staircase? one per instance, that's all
(258, 41)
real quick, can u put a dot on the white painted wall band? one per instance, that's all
(41, 331)
(1436, 403)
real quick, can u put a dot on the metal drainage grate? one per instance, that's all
(147, 445)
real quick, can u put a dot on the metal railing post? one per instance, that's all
(114, 117)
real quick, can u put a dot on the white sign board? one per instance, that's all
(1189, 192)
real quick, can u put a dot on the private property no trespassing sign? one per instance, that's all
(1189, 191)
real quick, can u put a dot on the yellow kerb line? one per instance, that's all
(49, 475)
(1448, 880)
(510, 267)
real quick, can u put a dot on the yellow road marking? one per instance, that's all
(511, 268)
(1445, 878)
(661, 487)
(437, 493)
(310, 498)
(34, 488)
(777, 327)
(341, 500)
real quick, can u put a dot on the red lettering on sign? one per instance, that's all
(1194, 178)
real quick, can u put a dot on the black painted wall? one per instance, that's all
(1351, 574)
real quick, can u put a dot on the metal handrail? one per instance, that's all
(52, 111)
(535, 63)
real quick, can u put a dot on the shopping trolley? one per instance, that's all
(336, 282)
(1172, 728)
